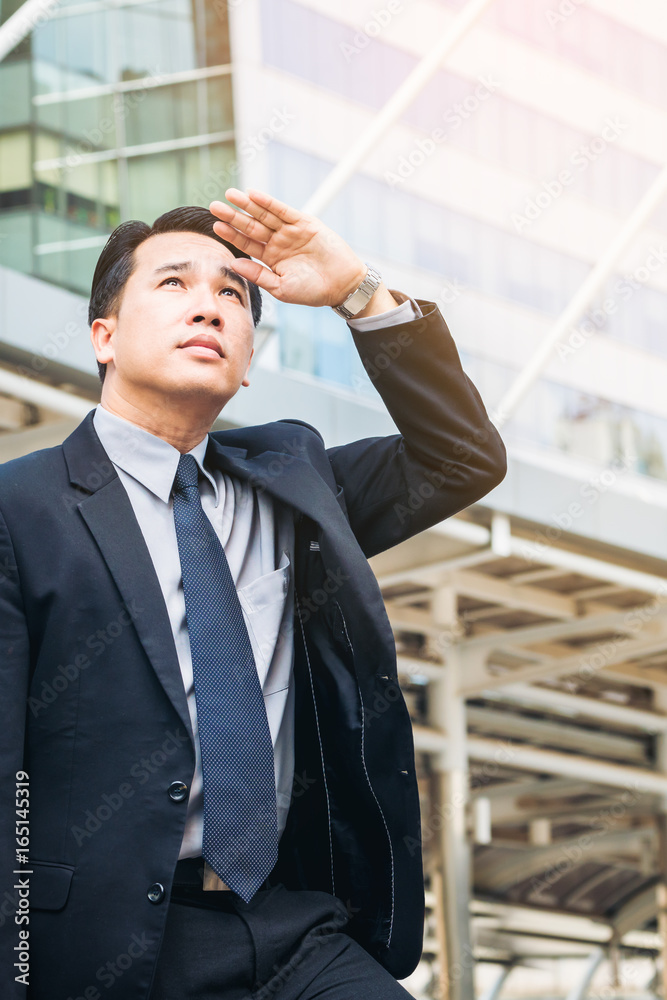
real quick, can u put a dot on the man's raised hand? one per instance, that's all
(305, 261)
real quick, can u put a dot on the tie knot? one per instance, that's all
(186, 474)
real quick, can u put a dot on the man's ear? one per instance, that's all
(101, 332)
(245, 381)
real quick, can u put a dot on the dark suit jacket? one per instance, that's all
(93, 704)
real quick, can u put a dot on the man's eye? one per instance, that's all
(234, 291)
(167, 280)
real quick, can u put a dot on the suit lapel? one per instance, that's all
(106, 509)
(110, 517)
(286, 477)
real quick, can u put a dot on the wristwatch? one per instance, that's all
(360, 297)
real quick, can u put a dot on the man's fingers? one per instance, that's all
(239, 220)
(264, 207)
(240, 240)
(261, 215)
(277, 208)
(259, 275)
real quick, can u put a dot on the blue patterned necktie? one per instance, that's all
(240, 839)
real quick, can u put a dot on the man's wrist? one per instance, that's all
(380, 301)
(358, 297)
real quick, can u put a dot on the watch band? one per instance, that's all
(361, 296)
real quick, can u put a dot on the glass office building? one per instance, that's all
(108, 112)
(477, 217)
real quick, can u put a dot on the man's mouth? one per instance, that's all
(203, 346)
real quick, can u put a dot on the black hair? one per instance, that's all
(117, 262)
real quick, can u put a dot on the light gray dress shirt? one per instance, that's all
(257, 534)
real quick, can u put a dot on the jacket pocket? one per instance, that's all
(49, 884)
(264, 603)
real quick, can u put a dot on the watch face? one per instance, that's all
(360, 298)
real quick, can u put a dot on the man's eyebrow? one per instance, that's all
(225, 270)
(234, 276)
(183, 265)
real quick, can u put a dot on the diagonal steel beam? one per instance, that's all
(618, 621)
(636, 911)
(400, 100)
(620, 652)
(23, 21)
(595, 708)
(583, 298)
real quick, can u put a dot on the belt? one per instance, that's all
(197, 872)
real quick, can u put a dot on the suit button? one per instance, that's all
(178, 791)
(156, 892)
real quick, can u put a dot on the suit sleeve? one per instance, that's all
(447, 455)
(14, 673)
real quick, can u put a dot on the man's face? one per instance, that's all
(184, 326)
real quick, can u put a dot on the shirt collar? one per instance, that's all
(144, 456)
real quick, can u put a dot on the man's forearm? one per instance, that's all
(381, 301)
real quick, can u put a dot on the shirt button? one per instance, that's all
(156, 892)
(178, 791)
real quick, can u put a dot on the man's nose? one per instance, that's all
(207, 318)
(206, 309)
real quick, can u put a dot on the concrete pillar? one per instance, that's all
(447, 712)
(661, 888)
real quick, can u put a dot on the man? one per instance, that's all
(199, 685)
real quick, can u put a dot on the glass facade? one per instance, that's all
(498, 261)
(109, 113)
